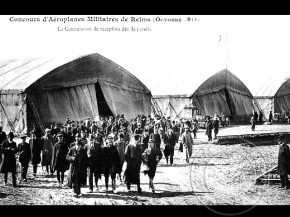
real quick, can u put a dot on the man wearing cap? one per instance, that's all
(24, 153)
(8, 163)
(77, 156)
(46, 154)
(35, 147)
(133, 157)
(151, 156)
(283, 162)
(59, 162)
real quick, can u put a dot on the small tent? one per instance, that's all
(224, 93)
(47, 90)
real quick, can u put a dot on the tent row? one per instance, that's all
(225, 94)
(41, 91)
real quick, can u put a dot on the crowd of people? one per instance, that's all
(112, 147)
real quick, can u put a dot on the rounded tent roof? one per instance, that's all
(26, 74)
(221, 80)
(284, 88)
(272, 86)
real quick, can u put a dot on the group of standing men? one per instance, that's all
(97, 148)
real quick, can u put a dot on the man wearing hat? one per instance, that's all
(94, 155)
(155, 136)
(8, 163)
(77, 156)
(145, 139)
(35, 147)
(59, 162)
(170, 140)
(151, 157)
(187, 142)
(133, 157)
(47, 149)
(24, 153)
(111, 162)
(283, 162)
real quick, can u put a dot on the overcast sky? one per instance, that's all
(172, 58)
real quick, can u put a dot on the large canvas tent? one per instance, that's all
(224, 93)
(47, 90)
(273, 95)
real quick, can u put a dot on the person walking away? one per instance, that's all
(260, 117)
(253, 123)
(111, 161)
(216, 125)
(283, 162)
(270, 117)
(47, 141)
(187, 142)
(151, 157)
(8, 163)
(209, 127)
(59, 162)
(24, 153)
(171, 140)
(133, 157)
(36, 146)
(77, 156)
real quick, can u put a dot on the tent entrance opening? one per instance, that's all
(103, 107)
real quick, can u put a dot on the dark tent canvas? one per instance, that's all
(226, 94)
(47, 90)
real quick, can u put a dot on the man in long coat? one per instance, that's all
(3, 137)
(94, 161)
(216, 125)
(8, 164)
(209, 127)
(170, 141)
(283, 162)
(59, 162)
(77, 156)
(24, 156)
(35, 147)
(47, 149)
(187, 142)
(133, 157)
(111, 162)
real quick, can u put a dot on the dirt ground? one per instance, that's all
(217, 175)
